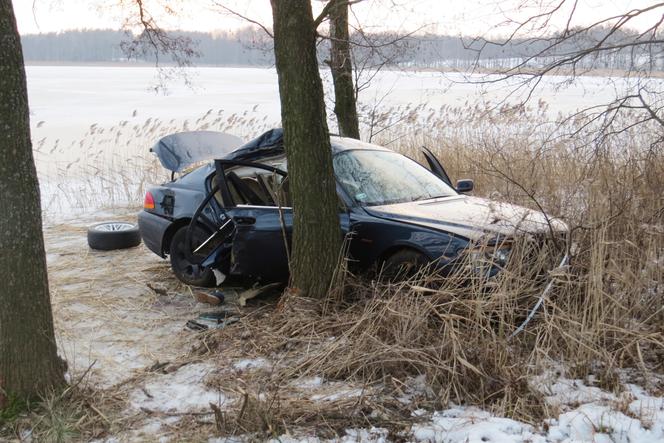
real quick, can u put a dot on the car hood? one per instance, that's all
(470, 217)
(178, 151)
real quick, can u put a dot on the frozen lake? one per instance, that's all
(71, 98)
(92, 126)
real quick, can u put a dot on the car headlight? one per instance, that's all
(484, 259)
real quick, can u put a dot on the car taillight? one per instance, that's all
(148, 203)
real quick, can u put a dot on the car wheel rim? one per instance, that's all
(113, 227)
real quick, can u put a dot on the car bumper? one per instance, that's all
(153, 229)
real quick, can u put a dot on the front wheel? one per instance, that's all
(403, 265)
(186, 271)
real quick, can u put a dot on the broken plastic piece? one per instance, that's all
(215, 298)
(253, 292)
(211, 320)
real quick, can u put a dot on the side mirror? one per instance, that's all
(465, 185)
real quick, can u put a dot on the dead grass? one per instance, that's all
(110, 167)
(604, 317)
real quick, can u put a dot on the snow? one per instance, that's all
(372, 435)
(338, 394)
(256, 363)
(68, 97)
(601, 424)
(180, 391)
(588, 414)
(568, 392)
(471, 425)
(309, 382)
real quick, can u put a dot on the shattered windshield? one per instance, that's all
(374, 178)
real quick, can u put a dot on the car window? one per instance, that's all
(383, 177)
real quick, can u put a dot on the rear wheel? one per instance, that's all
(186, 271)
(403, 265)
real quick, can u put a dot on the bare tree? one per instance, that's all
(29, 364)
(153, 42)
(355, 56)
(345, 106)
(573, 50)
(316, 231)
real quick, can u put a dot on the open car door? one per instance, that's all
(435, 166)
(247, 220)
(461, 186)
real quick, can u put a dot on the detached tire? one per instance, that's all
(109, 236)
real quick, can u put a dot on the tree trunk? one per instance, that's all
(29, 364)
(341, 66)
(316, 231)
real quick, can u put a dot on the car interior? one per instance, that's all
(255, 187)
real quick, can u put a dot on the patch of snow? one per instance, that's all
(308, 383)
(591, 422)
(376, 435)
(256, 363)
(338, 394)
(590, 414)
(565, 391)
(372, 435)
(473, 425)
(180, 391)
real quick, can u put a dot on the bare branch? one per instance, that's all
(244, 17)
(326, 10)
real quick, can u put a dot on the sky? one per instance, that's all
(454, 17)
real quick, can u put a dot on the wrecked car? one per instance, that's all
(232, 216)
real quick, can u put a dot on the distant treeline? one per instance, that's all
(251, 47)
(242, 47)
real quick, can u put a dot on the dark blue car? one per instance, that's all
(232, 216)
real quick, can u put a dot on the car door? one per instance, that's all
(258, 203)
(435, 166)
(254, 199)
(264, 226)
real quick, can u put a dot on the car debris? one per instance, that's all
(214, 298)
(212, 320)
(254, 292)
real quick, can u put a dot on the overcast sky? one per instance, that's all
(468, 17)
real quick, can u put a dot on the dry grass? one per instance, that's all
(111, 167)
(604, 315)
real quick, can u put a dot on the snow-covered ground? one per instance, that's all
(588, 414)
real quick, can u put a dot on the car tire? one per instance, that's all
(109, 236)
(183, 269)
(402, 265)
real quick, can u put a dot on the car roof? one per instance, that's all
(271, 143)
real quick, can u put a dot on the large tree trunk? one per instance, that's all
(29, 364)
(316, 231)
(342, 72)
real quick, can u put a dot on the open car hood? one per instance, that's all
(178, 151)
